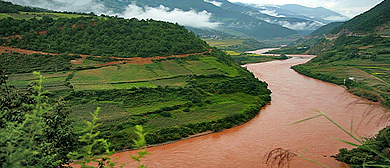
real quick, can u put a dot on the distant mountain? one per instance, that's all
(320, 13)
(229, 21)
(299, 18)
(376, 20)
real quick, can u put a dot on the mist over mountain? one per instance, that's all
(299, 18)
(191, 13)
(213, 17)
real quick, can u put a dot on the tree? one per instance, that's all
(34, 130)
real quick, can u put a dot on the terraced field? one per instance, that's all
(367, 74)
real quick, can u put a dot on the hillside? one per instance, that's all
(325, 29)
(363, 57)
(228, 21)
(359, 59)
(97, 36)
(172, 96)
(369, 21)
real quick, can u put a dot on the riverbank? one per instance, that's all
(294, 97)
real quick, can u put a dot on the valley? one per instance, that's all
(78, 86)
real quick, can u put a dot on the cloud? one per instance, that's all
(299, 25)
(336, 18)
(349, 8)
(214, 3)
(190, 18)
(271, 13)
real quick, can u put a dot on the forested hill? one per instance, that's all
(368, 21)
(8, 7)
(326, 29)
(94, 35)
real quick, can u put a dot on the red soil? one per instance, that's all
(5, 49)
(120, 60)
(42, 32)
(11, 37)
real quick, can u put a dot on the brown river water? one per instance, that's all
(294, 97)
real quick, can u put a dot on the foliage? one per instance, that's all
(239, 45)
(364, 59)
(289, 50)
(369, 20)
(91, 35)
(90, 141)
(360, 156)
(140, 144)
(20, 63)
(34, 130)
(326, 29)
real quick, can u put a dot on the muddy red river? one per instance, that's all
(294, 97)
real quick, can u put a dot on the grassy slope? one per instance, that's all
(246, 58)
(40, 15)
(368, 63)
(182, 95)
(172, 98)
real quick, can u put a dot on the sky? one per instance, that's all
(349, 8)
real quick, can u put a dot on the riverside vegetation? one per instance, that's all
(358, 57)
(172, 97)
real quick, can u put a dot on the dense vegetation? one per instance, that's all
(20, 63)
(246, 58)
(171, 97)
(35, 131)
(357, 157)
(368, 21)
(238, 45)
(365, 60)
(201, 99)
(100, 36)
(326, 29)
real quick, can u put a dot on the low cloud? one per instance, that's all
(271, 13)
(299, 25)
(190, 18)
(336, 18)
(214, 3)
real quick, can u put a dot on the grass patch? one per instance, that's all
(153, 107)
(179, 81)
(108, 113)
(133, 85)
(199, 67)
(101, 86)
(198, 115)
(223, 43)
(4, 15)
(175, 68)
(232, 53)
(212, 61)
